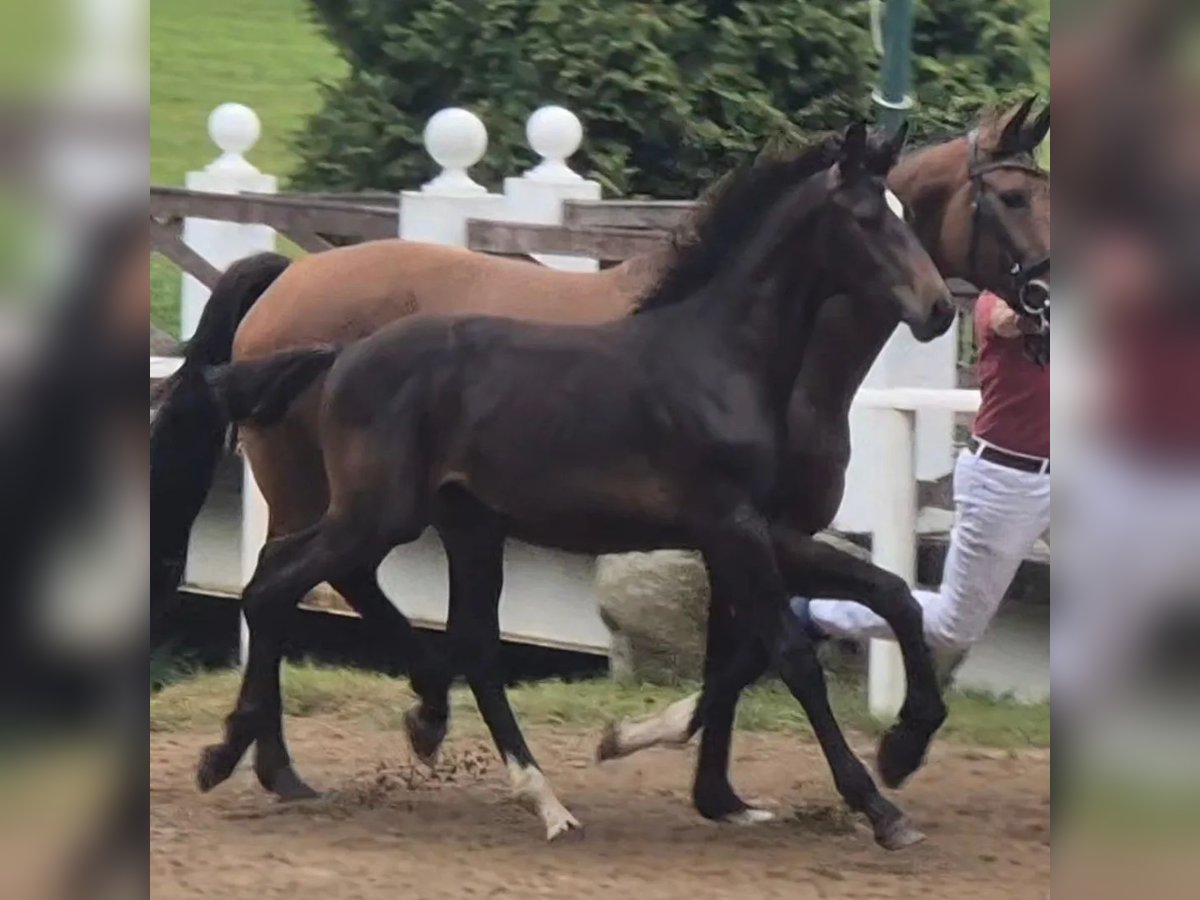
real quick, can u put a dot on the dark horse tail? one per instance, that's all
(188, 435)
(260, 391)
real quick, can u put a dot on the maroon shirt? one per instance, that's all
(1014, 408)
(1156, 382)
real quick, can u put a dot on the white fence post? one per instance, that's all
(234, 128)
(438, 212)
(894, 547)
(904, 363)
(537, 197)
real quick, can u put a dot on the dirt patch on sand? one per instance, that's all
(388, 829)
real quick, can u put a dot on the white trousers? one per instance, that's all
(999, 515)
(1130, 554)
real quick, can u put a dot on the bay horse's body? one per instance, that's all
(352, 292)
(664, 429)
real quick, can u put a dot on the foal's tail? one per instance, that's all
(187, 436)
(260, 391)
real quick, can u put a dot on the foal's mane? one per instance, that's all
(730, 214)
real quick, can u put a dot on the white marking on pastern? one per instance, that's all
(667, 728)
(530, 788)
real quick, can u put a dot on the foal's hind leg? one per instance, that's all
(476, 556)
(428, 675)
(815, 569)
(288, 568)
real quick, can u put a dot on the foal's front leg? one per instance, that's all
(815, 569)
(476, 555)
(742, 552)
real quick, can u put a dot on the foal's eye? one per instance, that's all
(1014, 199)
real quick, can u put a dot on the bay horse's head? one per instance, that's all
(879, 254)
(999, 218)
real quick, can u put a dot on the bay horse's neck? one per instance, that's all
(933, 183)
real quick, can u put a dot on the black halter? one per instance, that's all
(1030, 276)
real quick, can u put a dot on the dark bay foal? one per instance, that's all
(662, 430)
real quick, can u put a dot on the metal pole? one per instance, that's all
(895, 75)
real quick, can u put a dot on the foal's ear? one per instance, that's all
(1011, 140)
(853, 156)
(892, 147)
(1036, 132)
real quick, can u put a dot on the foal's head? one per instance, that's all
(870, 250)
(824, 215)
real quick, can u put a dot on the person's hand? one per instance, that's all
(1005, 322)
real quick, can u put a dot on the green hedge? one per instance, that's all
(671, 94)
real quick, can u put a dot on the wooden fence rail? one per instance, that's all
(605, 244)
(659, 215)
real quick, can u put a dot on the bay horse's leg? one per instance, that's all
(476, 557)
(678, 723)
(428, 675)
(815, 569)
(288, 568)
(742, 553)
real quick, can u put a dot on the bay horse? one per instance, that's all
(664, 429)
(265, 304)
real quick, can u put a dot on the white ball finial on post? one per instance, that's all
(456, 139)
(234, 128)
(554, 133)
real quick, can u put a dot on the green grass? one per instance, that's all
(264, 53)
(377, 701)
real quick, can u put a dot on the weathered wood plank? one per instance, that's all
(661, 215)
(166, 240)
(596, 243)
(307, 240)
(281, 213)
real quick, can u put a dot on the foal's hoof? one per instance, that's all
(563, 828)
(901, 752)
(287, 785)
(424, 737)
(898, 834)
(216, 765)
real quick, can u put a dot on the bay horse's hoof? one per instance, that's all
(901, 752)
(751, 815)
(898, 834)
(216, 765)
(424, 737)
(610, 743)
(287, 785)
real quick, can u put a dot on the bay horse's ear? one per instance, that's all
(1037, 130)
(1010, 141)
(853, 156)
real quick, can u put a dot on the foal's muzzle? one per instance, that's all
(936, 323)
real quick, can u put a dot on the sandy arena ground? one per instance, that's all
(387, 830)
